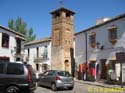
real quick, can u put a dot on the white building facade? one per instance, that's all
(38, 54)
(11, 45)
(96, 49)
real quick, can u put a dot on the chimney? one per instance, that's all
(102, 20)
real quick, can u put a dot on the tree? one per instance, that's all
(20, 26)
(11, 24)
(30, 36)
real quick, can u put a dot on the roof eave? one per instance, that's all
(12, 31)
(113, 19)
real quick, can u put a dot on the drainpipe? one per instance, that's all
(86, 53)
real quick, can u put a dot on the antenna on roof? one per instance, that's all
(61, 3)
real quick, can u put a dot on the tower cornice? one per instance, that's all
(62, 9)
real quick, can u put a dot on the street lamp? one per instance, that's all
(101, 47)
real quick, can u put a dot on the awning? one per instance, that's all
(93, 57)
(80, 59)
(103, 55)
(112, 56)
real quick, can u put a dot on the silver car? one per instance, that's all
(56, 79)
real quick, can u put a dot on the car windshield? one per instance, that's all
(64, 73)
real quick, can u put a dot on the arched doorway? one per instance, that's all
(66, 65)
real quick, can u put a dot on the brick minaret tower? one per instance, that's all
(62, 40)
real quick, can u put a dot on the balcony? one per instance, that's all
(37, 60)
(40, 59)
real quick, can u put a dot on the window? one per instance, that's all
(37, 52)
(18, 42)
(112, 34)
(64, 73)
(37, 67)
(2, 68)
(92, 39)
(15, 69)
(4, 59)
(28, 52)
(45, 53)
(67, 15)
(5, 40)
(57, 15)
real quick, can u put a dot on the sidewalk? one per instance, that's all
(101, 84)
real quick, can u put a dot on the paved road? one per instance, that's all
(80, 88)
(77, 89)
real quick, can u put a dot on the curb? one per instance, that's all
(97, 84)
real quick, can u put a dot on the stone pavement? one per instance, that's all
(101, 84)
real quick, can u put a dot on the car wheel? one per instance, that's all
(12, 89)
(70, 88)
(53, 87)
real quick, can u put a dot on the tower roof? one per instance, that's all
(62, 9)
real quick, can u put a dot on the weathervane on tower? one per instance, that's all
(61, 3)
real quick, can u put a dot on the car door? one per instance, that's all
(2, 75)
(49, 78)
(43, 80)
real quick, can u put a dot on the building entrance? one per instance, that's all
(103, 69)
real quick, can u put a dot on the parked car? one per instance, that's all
(56, 79)
(16, 77)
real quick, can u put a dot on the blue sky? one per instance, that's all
(37, 12)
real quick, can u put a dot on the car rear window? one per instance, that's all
(64, 73)
(15, 69)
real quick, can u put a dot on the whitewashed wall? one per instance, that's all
(32, 49)
(12, 43)
(80, 48)
(102, 37)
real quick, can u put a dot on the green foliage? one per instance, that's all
(30, 36)
(20, 26)
(11, 24)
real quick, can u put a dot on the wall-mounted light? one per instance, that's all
(99, 46)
